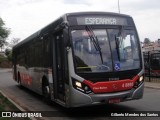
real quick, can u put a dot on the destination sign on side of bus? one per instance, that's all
(100, 20)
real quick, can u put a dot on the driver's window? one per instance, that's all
(127, 47)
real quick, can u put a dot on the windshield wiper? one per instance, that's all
(119, 40)
(117, 47)
(94, 39)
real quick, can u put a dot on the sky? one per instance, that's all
(25, 17)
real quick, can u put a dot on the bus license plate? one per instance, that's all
(114, 100)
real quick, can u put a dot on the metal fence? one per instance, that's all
(152, 66)
(152, 79)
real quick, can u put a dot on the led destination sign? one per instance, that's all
(98, 21)
(101, 21)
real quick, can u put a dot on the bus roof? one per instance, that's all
(63, 18)
(95, 13)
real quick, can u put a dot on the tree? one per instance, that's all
(4, 33)
(147, 41)
(13, 42)
(8, 53)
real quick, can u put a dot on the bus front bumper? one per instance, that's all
(78, 98)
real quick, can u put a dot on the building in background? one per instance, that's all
(152, 46)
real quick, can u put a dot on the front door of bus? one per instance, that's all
(58, 66)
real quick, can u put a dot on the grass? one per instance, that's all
(6, 105)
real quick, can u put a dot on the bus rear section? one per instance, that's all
(83, 59)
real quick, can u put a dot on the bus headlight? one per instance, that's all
(81, 86)
(141, 78)
(139, 81)
(78, 84)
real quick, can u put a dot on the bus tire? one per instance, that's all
(46, 91)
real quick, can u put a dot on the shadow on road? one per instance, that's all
(89, 111)
(97, 111)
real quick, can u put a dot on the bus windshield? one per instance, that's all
(105, 50)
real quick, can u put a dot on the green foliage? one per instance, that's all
(6, 105)
(5, 62)
(2, 58)
(10, 56)
(147, 41)
(4, 33)
(8, 53)
(1, 22)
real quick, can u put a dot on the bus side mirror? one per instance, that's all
(66, 37)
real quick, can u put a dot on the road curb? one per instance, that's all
(152, 87)
(19, 107)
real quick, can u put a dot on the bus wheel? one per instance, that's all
(46, 92)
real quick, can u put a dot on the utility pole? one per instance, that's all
(118, 7)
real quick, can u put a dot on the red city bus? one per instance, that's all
(82, 59)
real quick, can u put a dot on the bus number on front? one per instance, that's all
(127, 85)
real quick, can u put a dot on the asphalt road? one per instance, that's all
(30, 101)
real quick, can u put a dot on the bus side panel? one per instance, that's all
(32, 78)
